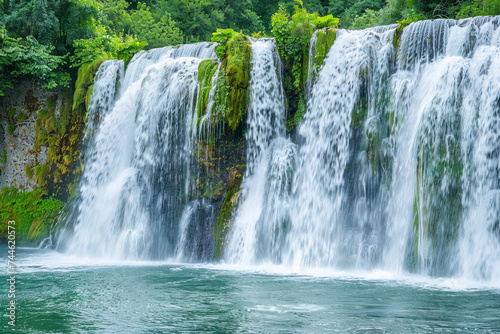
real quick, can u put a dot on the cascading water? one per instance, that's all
(137, 165)
(445, 100)
(257, 230)
(398, 166)
(335, 218)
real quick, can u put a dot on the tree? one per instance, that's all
(157, 33)
(26, 58)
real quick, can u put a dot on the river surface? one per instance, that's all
(61, 294)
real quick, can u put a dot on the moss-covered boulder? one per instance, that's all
(237, 67)
(325, 40)
(232, 95)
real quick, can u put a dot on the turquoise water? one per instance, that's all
(60, 294)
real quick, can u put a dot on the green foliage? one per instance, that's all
(10, 129)
(299, 114)
(293, 34)
(29, 171)
(197, 19)
(369, 18)
(479, 8)
(26, 58)
(4, 156)
(104, 46)
(222, 37)
(206, 71)
(41, 172)
(324, 42)
(326, 21)
(32, 214)
(157, 33)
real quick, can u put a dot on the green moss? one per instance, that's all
(396, 39)
(324, 42)
(230, 200)
(41, 139)
(4, 156)
(66, 109)
(206, 71)
(43, 114)
(51, 124)
(88, 96)
(85, 79)
(297, 117)
(21, 117)
(237, 68)
(52, 153)
(438, 199)
(51, 104)
(38, 124)
(10, 129)
(359, 113)
(221, 96)
(12, 113)
(29, 171)
(32, 214)
(41, 172)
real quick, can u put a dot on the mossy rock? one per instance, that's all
(359, 113)
(206, 71)
(230, 200)
(325, 40)
(372, 149)
(437, 208)
(32, 213)
(51, 104)
(41, 172)
(29, 171)
(51, 124)
(237, 67)
(396, 39)
(297, 117)
(86, 74)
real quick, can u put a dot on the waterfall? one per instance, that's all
(445, 100)
(257, 225)
(107, 84)
(136, 177)
(395, 166)
(334, 219)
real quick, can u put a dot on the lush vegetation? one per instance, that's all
(42, 39)
(61, 43)
(32, 213)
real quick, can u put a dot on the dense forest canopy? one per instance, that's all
(43, 39)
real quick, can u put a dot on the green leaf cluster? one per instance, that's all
(292, 34)
(26, 58)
